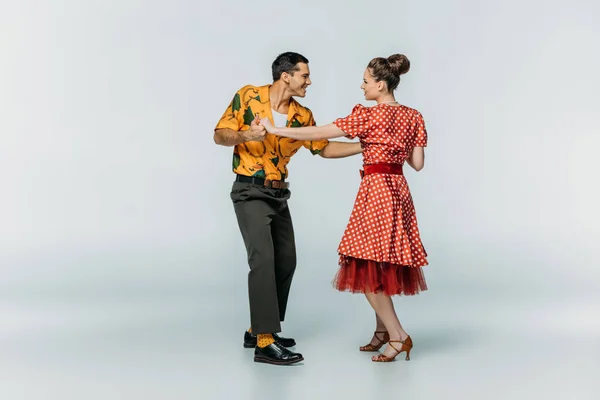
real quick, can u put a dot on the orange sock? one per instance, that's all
(250, 330)
(264, 340)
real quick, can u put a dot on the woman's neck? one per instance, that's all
(386, 100)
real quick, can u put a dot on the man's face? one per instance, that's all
(299, 81)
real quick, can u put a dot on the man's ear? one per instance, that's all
(286, 77)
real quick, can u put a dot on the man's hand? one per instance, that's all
(256, 133)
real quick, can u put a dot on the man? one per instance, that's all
(260, 193)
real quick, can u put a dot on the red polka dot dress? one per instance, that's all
(381, 249)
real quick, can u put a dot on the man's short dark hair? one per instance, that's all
(286, 62)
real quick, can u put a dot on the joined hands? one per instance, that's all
(266, 123)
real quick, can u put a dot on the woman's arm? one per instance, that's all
(340, 150)
(305, 132)
(417, 158)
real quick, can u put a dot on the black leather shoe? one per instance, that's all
(250, 340)
(276, 354)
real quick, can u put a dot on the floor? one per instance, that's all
(172, 336)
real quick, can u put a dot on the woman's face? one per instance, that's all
(370, 86)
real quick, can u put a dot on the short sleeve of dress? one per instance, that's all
(420, 131)
(355, 124)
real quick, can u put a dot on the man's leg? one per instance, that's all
(255, 208)
(285, 254)
(254, 219)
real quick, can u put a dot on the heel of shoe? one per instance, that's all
(407, 346)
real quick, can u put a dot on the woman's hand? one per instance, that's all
(266, 122)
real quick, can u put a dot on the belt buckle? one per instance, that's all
(273, 184)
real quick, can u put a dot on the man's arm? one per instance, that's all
(340, 150)
(229, 137)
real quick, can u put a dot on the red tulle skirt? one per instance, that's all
(365, 276)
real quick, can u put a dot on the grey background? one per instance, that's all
(123, 271)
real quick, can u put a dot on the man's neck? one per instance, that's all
(279, 97)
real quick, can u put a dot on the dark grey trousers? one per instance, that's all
(266, 226)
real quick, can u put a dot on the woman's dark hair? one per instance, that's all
(389, 69)
(287, 62)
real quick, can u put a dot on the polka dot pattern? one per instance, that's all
(383, 224)
(387, 133)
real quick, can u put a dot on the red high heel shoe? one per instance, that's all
(407, 346)
(381, 342)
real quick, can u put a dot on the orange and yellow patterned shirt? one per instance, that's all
(267, 159)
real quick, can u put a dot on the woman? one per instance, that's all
(381, 253)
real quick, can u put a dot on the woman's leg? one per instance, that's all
(380, 334)
(380, 326)
(384, 308)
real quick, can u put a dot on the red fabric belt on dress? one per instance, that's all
(381, 168)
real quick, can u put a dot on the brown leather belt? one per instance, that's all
(263, 182)
(381, 168)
